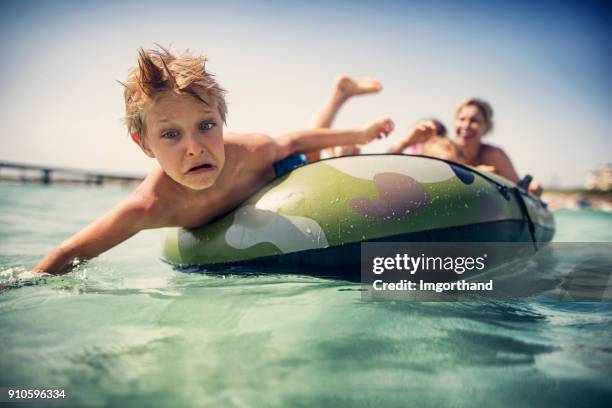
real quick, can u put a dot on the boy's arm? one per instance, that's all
(316, 139)
(123, 221)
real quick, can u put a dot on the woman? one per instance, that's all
(473, 120)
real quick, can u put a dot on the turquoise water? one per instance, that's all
(128, 330)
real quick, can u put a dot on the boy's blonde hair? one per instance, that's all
(161, 71)
(443, 148)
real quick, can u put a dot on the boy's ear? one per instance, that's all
(142, 144)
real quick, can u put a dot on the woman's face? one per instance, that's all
(470, 125)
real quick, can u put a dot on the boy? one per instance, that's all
(175, 112)
(442, 148)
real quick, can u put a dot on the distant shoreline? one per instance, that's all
(72, 182)
(575, 199)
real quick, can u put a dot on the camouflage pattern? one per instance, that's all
(348, 200)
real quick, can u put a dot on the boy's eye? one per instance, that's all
(206, 125)
(169, 134)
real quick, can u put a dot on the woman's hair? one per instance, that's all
(484, 108)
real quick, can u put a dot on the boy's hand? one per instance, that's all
(123, 221)
(421, 133)
(376, 130)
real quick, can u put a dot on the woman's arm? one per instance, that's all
(496, 157)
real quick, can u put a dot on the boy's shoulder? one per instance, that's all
(247, 147)
(249, 142)
(145, 197)
(155, 200)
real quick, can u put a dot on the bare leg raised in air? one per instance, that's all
(346, 87)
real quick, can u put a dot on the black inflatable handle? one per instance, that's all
(524, 183)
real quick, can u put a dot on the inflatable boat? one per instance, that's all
(320, 213)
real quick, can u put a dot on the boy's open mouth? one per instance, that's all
(201, 168)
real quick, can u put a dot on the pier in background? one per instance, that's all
(29, 173)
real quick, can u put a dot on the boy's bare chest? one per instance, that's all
(229, 192)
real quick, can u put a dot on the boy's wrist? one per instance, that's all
(362, 135)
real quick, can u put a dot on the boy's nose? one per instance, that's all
(194, 148)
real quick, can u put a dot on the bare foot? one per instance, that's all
(348, 86)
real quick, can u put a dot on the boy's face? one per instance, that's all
(186, 137)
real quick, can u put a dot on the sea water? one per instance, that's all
(126, 329)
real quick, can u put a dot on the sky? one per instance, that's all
(544, 66)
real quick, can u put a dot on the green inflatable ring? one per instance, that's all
(320, 213)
